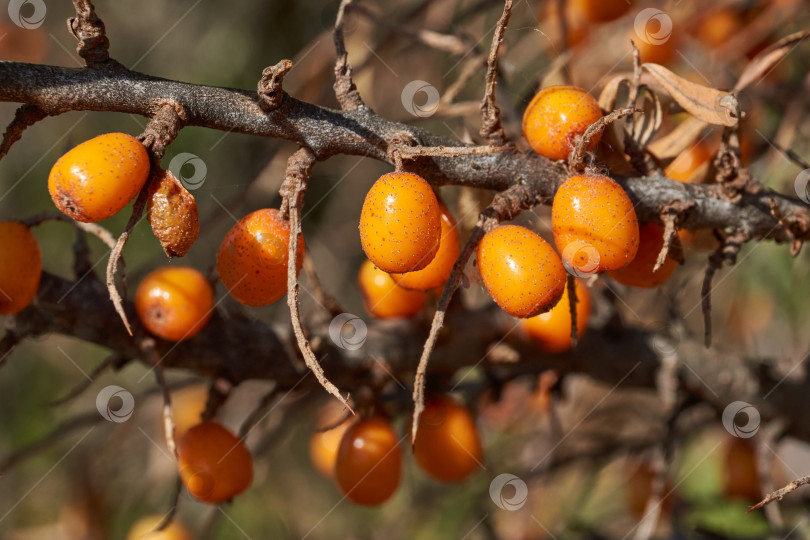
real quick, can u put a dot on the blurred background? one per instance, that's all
(97, 478)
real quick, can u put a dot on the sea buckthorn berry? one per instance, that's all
(639, 273)
(252, 259)
(385, 299)
(369, 462)
(447, 446)
(595, 225)
(551, 331)
(99, 177)
(20, 267)
(685, 167)
(603, 10)
(436, 273)
(400, 224)
(520, 270)
(146, 529)
(556, 117)
(658, 44)
(323, 448)
(214, 464)
(172, 212)
(174, 302)
(718, 26)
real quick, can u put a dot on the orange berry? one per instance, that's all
(98, 178)
(447, 445)
(252, 259)
(595, 225)
(520, 270)
(740, 476)
(603, 10)
(323, 448)
(20, 267)
(639, 273)
(146, 529)
(214, 464)
(400, 224)
(658, 44)
(369, 462)
(172, 212)
(556, 117)
(382, 296)
(718, 26)
(174, 302)
(188, 406)
(551, 331)
(685, 167)
(438, 270)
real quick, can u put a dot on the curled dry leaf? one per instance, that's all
(172, 212)
(679, 139)
(703, 102)
(766, 60)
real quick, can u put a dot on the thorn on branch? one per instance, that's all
(491, 128)
(577, 158)
(299, 167)
(89, 30)
(726, 252)
(271, 94)
(671, 215)
(345, 89)
(26, 115)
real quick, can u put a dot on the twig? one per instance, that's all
(726, 252)
(792, 156)
(271, 94)
(169, 516)
(91, 228)
(577, 158)
(258, 413)
(168, 419)
(218, 392)
(111, 360)
(299, 167)
(7, 344)
(321, 296)
(563, 54)
(345, 89)
(572, 307)
(413, 152)
(24, 116)
(670, 232)
(779, 494)
(89, 30)
(764, 443)
(491, 128)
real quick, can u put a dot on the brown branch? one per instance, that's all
(670, 233)
(153, 360)
(570, 284)
(24, 116)
(779, 494)
(576, 160)
(725, 253)
(299, 167)
(491, 128)
(345, 89)
(89, 30)
(269, 89)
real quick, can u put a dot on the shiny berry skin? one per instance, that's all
(323, 448)
(520, 270)
(174, 302)
(400, 224)
(603, 10)
(369, 462)
(447, 446)
(20, 267)
(99, 177)
(551, 331)
(684, 167)
(172, 213)
(436, 273)
(146, 529)
(385, 299)
(252, 259)
(214, 464)
(639, 273)
(595, 225)
(556, 117)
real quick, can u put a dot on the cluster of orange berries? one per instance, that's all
(365, 459)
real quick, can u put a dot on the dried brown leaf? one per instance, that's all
(679, 139)
(768, 58)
